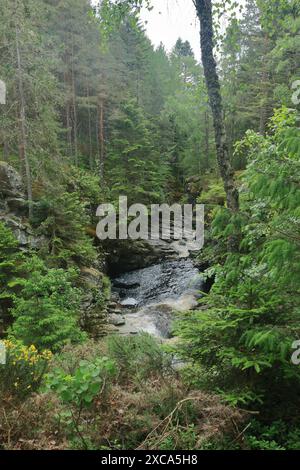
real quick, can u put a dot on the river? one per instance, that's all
(147, 299)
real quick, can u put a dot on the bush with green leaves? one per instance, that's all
(47, 308)
(245, 328)
(81, 387)
(278, 435)
(77, 391)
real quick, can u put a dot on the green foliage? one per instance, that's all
(259, 62)
(63, 219)
(87, 186)
(135, 167)
(78, 391)
(46, 310)
(9, 259)
(139, 357)
(277, 435)
(81, 388)
(41, 93)
(246, 326)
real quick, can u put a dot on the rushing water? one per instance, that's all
(150, 296)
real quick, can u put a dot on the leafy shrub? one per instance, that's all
(277, 435)
(82, 387)
(24, 369)
(78, 391)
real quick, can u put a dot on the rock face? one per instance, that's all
(128, 255)
(13, 212)
(10, 181)
(93, 308)
(116, 320)
(13, 208)
(129, 303)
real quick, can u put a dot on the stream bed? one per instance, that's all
(147, 299)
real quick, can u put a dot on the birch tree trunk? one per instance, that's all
(204, 12)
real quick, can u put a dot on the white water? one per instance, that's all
(160, 291)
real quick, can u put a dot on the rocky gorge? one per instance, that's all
(137, 288)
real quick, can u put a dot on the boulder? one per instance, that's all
(22, 232)
(91, 277)
(129, 303)
(116, 320)
(17, 205)
(10, 181)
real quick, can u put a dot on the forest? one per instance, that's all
(117, 345)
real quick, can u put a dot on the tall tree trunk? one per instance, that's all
(263, 114)
(206, 119)
(25, 165)
(5, 150)
(101, 138)
(91, 160)
(68, 123)
(75, 140)
(69, 127)
(204, 11)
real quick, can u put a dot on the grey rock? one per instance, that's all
(125, 285)
(17, 205)
(117, 311)
(91, 277)
(116, 320)
(112, 305)
(10, 181)
(129, 303)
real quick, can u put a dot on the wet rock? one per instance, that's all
(126, 285)
(116, 320)
(129, 303)
(161, 281)
(117, 312)
(129, 255)
(112, 305)
(164, 289)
